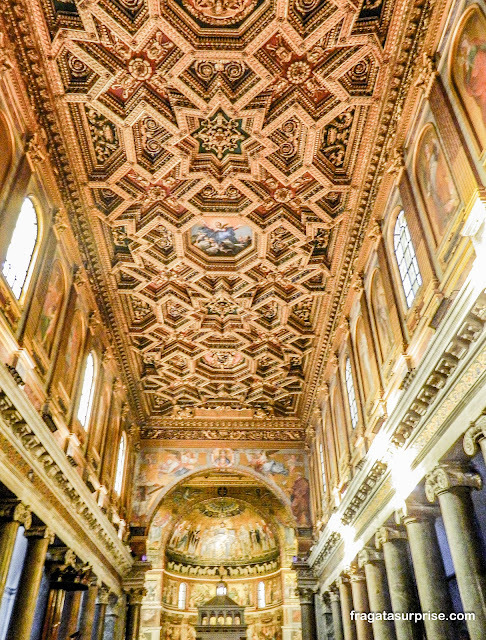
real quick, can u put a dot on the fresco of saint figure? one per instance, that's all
(364, 359)
(51, 309)
(469, 72)
(300, 502)
(72, 352)
(222, 458)
(224, 238)
(382, 317)
(435, 182)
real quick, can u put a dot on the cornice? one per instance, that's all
(273, 430)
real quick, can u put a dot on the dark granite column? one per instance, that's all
(22, 618)
(401, 586)
(101, 606)
(337, 620)
(452, 484)
(419, 521)
(364, 630)
(373, 564)
(349, 626)
(13, 514)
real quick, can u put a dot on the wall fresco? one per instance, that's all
(158, 469)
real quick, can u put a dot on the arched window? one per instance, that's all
(323, 467)
(21, 248)
(120, 464)
(87, 392)
(353, 407)
(261, 595)
(406, 259)
(181, 603)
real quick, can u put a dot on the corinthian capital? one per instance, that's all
(15, 511)
(368, 555)
(447, 477)
(475, 433)
(388, 534)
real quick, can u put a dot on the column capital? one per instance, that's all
(306, 594)
(416, 512)
(334, 593)
(368, 555)
(13, 510)
(103, 595)
(447, 477)
(135, 596)
(41, 532)
(343, 579)
(475, 433)
(388, 534)
(136, 578)
(357, 575)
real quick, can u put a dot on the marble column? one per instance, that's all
(419, 521)
(364, 630)
(88, 611)
(13, 514)
(349, 626)
(52, 618)
(452, 484)
(337, 620)
(21, 621)
(135, 597)
(373, 564)
(101, 606)
(393, 541)
(73, 613)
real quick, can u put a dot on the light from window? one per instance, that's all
(353, 407)
(21, 248)
(406, 259)
(87, 392)
(261, 595)
(120, 464)
(323, 467)
(181, 604)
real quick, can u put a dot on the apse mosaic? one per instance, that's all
(222, 529)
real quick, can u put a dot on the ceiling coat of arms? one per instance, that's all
(220, 149)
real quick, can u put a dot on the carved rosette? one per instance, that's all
(448, 477)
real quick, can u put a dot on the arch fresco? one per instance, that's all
(284, 472)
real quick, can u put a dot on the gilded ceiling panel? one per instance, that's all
(220, 149)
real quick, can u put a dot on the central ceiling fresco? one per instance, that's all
(222, 153)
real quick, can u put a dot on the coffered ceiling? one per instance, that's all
(220, 158)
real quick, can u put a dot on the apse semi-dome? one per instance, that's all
(222, 531)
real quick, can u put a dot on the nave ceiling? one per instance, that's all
(219, 159)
